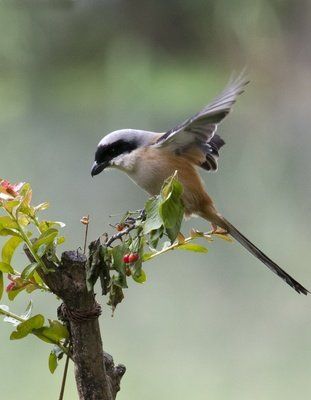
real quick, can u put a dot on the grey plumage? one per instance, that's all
(202, 126)
(199, 130)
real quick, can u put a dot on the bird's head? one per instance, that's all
(116, 145)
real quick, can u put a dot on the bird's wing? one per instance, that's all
(199, 129)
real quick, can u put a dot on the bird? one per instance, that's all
(149, 158)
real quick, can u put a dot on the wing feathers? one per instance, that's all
(226, 99)
(203, 125)
(199, 130)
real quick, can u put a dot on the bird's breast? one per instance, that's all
(153, 166)
(150, 170)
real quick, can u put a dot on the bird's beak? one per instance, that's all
(98, 168)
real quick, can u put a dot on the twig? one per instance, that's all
(132, 225)
(85, 221)
(62, 389)
(176, 245)
(119, 235)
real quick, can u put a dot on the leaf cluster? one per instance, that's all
(19, 222)
(54, 333)
(147, 234)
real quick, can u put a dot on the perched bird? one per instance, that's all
(149, 158)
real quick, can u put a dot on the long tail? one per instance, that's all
(262, 257)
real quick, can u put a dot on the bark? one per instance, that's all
(97, 378)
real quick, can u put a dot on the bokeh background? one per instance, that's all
(217, 326)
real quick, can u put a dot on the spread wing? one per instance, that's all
(198, 131)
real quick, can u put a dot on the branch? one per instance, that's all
(130, 223)
(97, 377)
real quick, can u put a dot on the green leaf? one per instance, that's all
(24, 328)
(25, 189)
(171, 185)
(55, 355)
(38, 279)
(4, 267)
(30, 287)
(115, 295)
(7, 222)
(147, 256)
(10, 205)
(46, 238)
(155, 236)
(193, 247)
(9, 232)
(29, 270)
(104, 273)
(165, 210)
(42, 206)
(97, 266)
(41, 250)
(9, 248)
(55, 331)
(1, 284)
(153, 218)
(26, 194)
(171, 209)
(135, 246)
(23, 219)
(118, 264)
(52, 362)
(42, 337)
(141, 278)
(60, 240)
(45, 225)
(13, 293)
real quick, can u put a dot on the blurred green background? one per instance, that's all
(215, 326)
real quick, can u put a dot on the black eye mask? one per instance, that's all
(106, 153)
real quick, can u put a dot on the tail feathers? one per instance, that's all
(263, 258)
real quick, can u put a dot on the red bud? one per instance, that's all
(10, 287)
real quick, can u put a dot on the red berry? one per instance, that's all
(126, 258)
(10, 287)
(133, 257)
